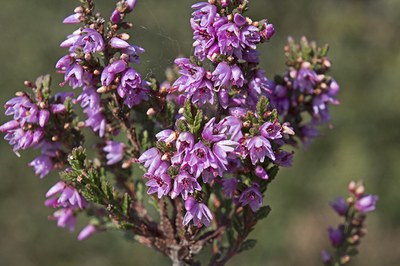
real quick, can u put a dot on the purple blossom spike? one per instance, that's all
(252, 197)
(198, 212)
(115, 152)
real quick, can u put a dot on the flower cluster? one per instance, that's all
(184, 161)
(229, 40)
(82, 69)
(305, 89)
(346, 237)
(35, 124)
(68, 201)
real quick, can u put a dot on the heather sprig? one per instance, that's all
(346, 238)
(200, 149)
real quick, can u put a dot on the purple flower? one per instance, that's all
(73, 19)
(184, 185)
(191, 78)
(336, 236)
(340, 206)
(204, 93)
(271, 130)
(90, 101)
(366, 204)
(42, 165)
(198, 212)
(159, 182)
(284, 158)
(221, 149)
(185, 141)
(259, 147)
(118, 43)
(115, 17)
(268, 31)
(252, 197)
(75, 76)
(305, 80)
(87, 231)
(204, 13)
(250, 37)
(68, 196)
(222, 75)
(199, 159)
(110, 72)
(325, 256)
(133, 52)
(132, 88)
(151, 159)
(91, 41)
(237, 76)
(229, 39)
(167, 136)
(115, 152)
(65, 218)
(229, 187)
(261, 173)
(259, 84)
(131, 4)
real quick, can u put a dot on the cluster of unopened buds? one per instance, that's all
(347, 236)
(224, 129)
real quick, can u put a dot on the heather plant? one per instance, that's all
(183, 163)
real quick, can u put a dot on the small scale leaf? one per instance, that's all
(262, 213)
(187, 112)
(247, 245)
(125, 204)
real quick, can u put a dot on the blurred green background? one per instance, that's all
(365, 49)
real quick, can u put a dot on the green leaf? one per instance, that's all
(247, 245)
(187, 112)
(237, 225)
(262, 213)
(181, 125)
(197, 122)
(262, 107)
(77, 158)
(273, 171)
(125, 204)
(108, 191)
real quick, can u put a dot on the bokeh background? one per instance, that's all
(365, 49)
